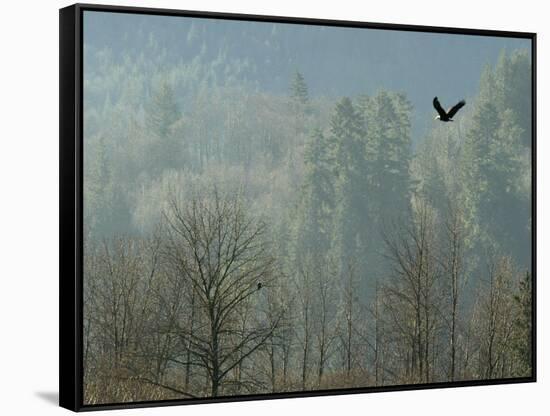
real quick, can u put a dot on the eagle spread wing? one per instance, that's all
(453, 110)
(438, 108)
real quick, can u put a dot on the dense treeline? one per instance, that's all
(242, 242)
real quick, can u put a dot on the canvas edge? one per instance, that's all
(70, 210)
(534, 275)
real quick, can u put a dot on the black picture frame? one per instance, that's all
(71, 202)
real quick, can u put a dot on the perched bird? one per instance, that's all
(259, 285)
(447, 116)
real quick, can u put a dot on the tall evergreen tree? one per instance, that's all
(317, 199)
(389, 153)
(350, 168)
(492, 169)
(299, 107)
(298, 89)
(387, 178)
(165, 146)
(512, 81)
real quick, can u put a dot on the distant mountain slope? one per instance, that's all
(335, 61)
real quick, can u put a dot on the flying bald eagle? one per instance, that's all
(447, 116)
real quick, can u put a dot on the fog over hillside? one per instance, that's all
(335, 61)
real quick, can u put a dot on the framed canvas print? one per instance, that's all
(259, 207)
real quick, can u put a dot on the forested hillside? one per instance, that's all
(257, 227)
(264, 56)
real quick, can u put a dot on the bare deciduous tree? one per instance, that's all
(452, 261)
(325, 313)
(494, 319)
(305, 290)
(227, 260)
(411, 297)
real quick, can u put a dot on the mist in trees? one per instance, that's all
(246, 238)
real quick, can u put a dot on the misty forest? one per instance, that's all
(269, 208)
